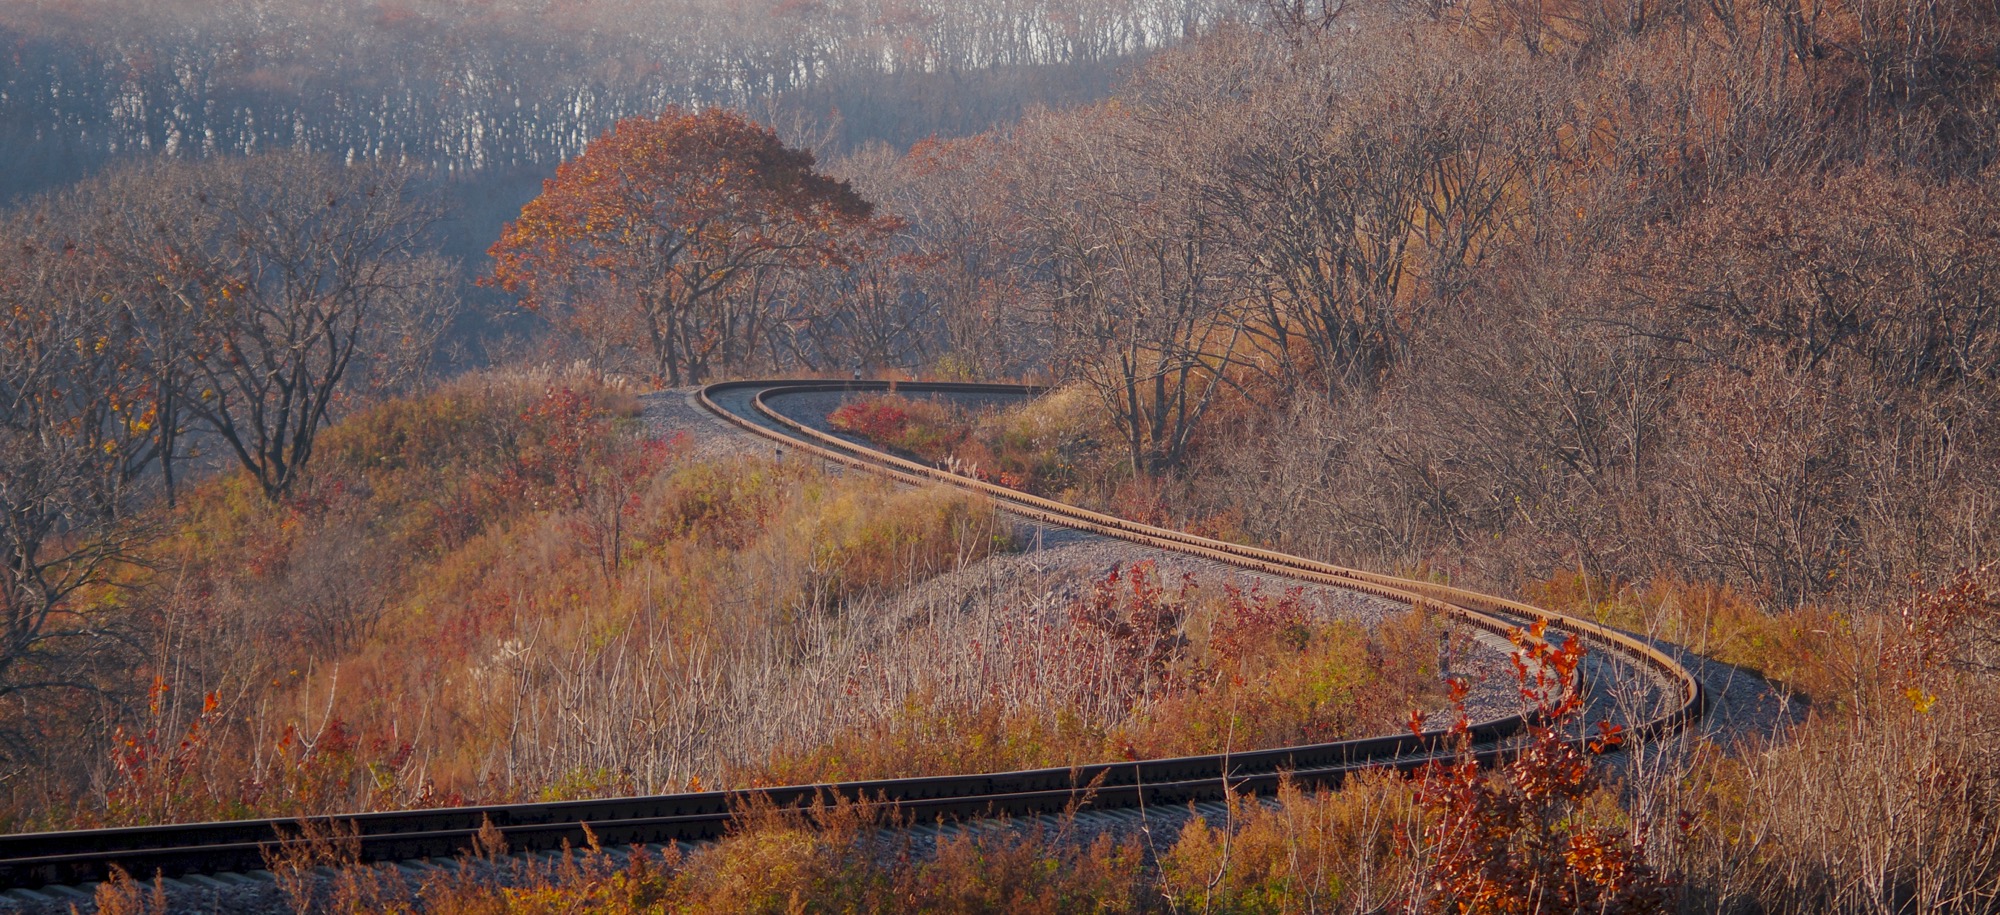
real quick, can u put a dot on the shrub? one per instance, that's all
(928, 429)
(1519, 840)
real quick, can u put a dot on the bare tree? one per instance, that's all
(1134, 277)
(1300, 19)
(1366, 199)
(955, 254)
(868, 316)
(132, 223)
(75, 430)
(288, 270)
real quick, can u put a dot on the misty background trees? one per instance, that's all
(487, 98)
(471, 87)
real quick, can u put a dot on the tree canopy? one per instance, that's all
(671, 231)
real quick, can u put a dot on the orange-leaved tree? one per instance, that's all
(667, 229)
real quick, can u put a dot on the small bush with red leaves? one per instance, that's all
(1515, 840)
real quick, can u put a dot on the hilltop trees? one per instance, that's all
(1365, 199)
(257, 284)
(674, 231)
(250, 289)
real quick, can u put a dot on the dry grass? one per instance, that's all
(1881, 805)
(1130, 668)
(1321, 851)
(533, 602)
(1889, 812)
(500, 590)
(829, 859)
(1055, 445)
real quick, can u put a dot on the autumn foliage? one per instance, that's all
(670, 235)
(1684, 317)
(1516, 840)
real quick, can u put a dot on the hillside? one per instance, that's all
(665, 609)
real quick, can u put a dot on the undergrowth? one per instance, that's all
(494, 591)
(1050, 446)
(1139, 668)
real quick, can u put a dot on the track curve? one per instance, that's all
(40, 859)
(1483, 611)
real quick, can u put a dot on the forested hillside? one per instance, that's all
(1704, 290)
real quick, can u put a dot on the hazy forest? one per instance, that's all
(339, 343)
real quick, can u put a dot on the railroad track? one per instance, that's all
(66, 859)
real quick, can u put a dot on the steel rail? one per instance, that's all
(38, 859)
(1472, 607)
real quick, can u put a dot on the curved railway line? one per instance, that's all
(65, 859)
